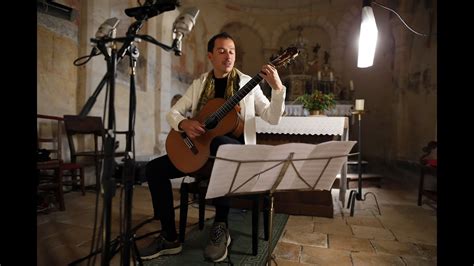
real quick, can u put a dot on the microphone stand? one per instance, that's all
(132, 30)
(108, 183)
(129, 163)
(110, 248)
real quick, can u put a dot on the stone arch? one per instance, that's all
(249, 46)
(253, 24)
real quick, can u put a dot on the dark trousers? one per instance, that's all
(159, 172)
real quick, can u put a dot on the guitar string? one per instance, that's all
(224, 109)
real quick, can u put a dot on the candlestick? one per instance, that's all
(357, 194)
(319, 75)
(331, 76)
(351, 85)
(359, 105)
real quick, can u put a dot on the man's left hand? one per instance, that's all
(270, 74)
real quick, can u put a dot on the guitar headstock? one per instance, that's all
(285, 57)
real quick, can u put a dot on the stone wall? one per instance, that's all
(57, 47)
(409, 119)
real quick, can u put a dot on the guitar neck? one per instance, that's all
(237, 97)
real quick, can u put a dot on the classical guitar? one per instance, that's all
(220, 117)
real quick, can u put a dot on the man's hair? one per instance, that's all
(222, 35)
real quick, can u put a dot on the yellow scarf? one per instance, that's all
(208, 92)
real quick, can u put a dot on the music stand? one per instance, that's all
(240, 170)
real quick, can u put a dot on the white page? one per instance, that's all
(310, 170)
(223, 171)
(281, 152)
(261, 175)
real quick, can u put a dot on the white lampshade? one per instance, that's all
(367, 38)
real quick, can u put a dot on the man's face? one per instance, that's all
(222, 57)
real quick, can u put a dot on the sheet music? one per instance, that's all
(255, 173)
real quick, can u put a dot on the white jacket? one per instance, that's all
(253, 103)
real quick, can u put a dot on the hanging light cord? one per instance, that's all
(421, 34)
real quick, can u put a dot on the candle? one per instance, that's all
(319, 75)
(359, 105)
(331, 76)
(351, 85)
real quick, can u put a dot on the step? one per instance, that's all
(356, 162)
(353, 166)
(367, 179)
(365, 176)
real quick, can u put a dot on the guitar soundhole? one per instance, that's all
(211, 122)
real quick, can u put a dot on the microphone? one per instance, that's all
(106, 29)
(183, 25)
(151, 8)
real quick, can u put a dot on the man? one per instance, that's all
(221, 82)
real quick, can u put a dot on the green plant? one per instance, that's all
(317, 101)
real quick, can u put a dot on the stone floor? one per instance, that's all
(404, 234)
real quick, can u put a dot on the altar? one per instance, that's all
(309, 129)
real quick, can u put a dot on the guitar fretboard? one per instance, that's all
(237, 97)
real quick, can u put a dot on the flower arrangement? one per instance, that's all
(317, 101)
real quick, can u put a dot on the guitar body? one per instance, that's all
(191, 160)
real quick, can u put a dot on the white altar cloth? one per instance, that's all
(305, 125)
(311, 125)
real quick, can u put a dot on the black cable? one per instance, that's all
(406, 25)
(94, 229)
(94, 52)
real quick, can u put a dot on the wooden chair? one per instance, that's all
(50, 166)
(87, 126)
(51, 182)
(197, 188)
(428, 166)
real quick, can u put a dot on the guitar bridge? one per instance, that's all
(189, 143)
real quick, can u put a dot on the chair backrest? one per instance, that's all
(49, 137)
(49, 161)
(429, 153)
(83, 125)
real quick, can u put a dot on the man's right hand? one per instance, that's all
(192, 128)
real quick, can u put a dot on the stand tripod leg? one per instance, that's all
(136, 253)
(376, 202)
(349, 201)
(76, 262)
(114, 246)
(353, 199)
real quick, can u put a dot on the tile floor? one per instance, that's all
(405, 234)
